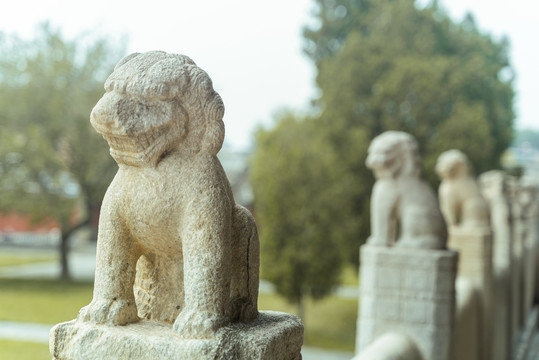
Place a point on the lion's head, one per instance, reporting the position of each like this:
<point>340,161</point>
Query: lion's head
<point>156,103</point>
<point>452,164</point>
<point>393,154</point>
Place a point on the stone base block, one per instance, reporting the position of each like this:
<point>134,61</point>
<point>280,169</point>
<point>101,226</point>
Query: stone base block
<point>475,264</point>
<point>475,252</point>
<point>409,291</point>
<point>272,336</point>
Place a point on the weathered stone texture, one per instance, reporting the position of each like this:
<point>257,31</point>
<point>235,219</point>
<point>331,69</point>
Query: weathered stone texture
<point>272,336</point>
<point>391,346</point>
<point>467,216</point>
<point>529,203</point>
<point>494,189</point>
<point>516,283</point>
<point>173,246</point>
<point>466,335</point>
<point>475,266</point>
<point>410,291</point>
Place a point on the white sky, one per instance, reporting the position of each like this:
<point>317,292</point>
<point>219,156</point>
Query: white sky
<point>252,49</point>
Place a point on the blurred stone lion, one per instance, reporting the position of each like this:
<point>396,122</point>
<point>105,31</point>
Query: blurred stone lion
<point>460,197</point>
<point>400,198</point>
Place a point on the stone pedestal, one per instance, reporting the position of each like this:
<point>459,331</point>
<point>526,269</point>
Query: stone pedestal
<point>466,335</point>
<point>475,252</point>
<point>409,291</point>
<point>494,189</point>
<point>529,244</point>
<point>272,336</point>
<point>475,264</point>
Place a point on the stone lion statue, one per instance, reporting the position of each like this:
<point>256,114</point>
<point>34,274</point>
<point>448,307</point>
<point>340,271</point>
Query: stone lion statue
<point>400,198</point>
<point>172,244</point>
<point>461,200</point>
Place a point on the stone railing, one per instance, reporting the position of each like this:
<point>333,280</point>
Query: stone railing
<point>479,307</point>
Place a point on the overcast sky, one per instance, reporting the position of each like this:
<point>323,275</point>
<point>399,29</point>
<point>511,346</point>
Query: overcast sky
<point>252,49</point>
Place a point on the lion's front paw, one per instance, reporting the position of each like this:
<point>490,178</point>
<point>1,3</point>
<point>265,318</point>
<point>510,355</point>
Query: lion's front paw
<point>110,311</point>
<point>197,324</point>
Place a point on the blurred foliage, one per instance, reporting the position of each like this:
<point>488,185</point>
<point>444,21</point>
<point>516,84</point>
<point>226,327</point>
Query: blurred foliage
<point>389,65</point>
<point>382,65</point>
<point>51,160</point>
<point>300,249</point>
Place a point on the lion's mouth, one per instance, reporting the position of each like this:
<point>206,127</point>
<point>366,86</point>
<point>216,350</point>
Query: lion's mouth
<point>135,150</point>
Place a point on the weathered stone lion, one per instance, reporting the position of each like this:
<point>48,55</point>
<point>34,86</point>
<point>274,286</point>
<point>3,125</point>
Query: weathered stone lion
<point>461,200</point>
<point>400,198</point>
<point>172,244</point>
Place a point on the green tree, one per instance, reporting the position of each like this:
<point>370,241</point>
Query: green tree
<point>292,174</point>
<point>53,165</point>
<point>389,65</point>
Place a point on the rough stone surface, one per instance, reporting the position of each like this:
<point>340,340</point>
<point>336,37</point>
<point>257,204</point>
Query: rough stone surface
<point>272,336</point>
<point>475,264</point>
<point>494,189</point>
<point>410,291</point>
<point>529,204</point>
<point>475,253</point>
<point>173,246</point>
<point>466,335</point>
<point>467,216</point>
<point>517,286</point>
<point>461,200</point>
<point>391,346</point>
<point>400,198</point>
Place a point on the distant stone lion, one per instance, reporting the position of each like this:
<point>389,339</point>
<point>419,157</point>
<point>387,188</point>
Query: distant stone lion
<point>400,198</point>
<point>169,226</point>
<point>461,200</point>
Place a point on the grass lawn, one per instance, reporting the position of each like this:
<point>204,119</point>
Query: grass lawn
<point>18,350</point>
<point>349,276</point>
<point>42,301</point>
<point>329,323</point>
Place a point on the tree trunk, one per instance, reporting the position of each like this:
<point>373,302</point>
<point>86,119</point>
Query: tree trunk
<point>64,274</point>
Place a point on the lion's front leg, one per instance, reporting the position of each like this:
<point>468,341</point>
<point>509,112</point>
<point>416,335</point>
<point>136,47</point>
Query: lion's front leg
<point>383,217</point>
<point>206,258</point>
<point>117,254</point>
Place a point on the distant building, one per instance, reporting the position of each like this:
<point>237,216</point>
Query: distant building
<point>236,165</point>
<point>18,229</point>
<point>524,156</point>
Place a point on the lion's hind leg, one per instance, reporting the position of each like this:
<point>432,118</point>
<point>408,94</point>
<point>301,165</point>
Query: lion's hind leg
<point>245,265</point>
